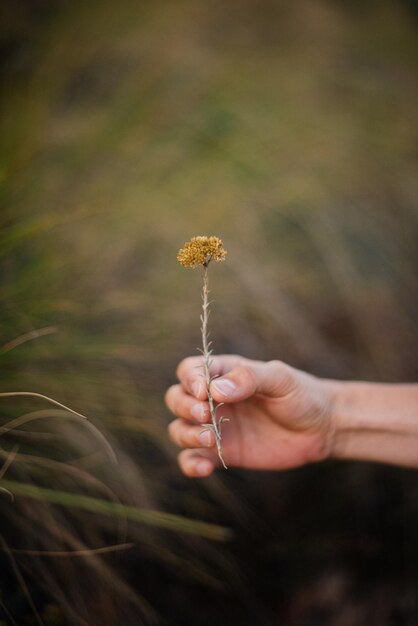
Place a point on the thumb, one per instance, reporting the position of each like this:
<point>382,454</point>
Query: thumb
<point>274,379</point>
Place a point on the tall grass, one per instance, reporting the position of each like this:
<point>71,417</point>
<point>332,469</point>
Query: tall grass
<point>284,128</point>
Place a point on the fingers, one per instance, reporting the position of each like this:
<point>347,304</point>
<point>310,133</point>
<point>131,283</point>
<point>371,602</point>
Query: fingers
<point>190,372</point>
<point>184,405</point>
<point>197,464</point>
<point>194,462</point>
<point>187,435</point>
<point>237,378</point>
<point>201,460</point>
<point>273,379</point>
<point>238,384</point>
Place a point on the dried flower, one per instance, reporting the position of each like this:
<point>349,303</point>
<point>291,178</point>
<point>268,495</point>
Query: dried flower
<point>200,251</point>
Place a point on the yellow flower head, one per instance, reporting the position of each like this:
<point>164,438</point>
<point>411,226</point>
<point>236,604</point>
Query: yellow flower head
<point>200,251</point>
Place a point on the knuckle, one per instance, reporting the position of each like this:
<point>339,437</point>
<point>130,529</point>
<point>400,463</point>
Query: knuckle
<point>178,402</point>
<point>247,375</point>
<point>168,396</point>
<point>185,366</point>
<point>184,461</point>
<point>178,433</point>
<point>283,374</point>
<point>172,429</point>
<point>182,438</point>
<point>275,364</point>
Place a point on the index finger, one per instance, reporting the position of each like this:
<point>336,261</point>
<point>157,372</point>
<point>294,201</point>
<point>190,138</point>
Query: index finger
<point>190,371</point>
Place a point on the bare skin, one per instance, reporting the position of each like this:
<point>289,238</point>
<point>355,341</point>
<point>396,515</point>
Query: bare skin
<point>281,417</point>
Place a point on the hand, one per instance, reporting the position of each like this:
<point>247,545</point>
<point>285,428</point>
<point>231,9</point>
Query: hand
<point>279,417</point>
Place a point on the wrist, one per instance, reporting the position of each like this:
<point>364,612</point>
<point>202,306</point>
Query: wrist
<point>375,422</point>
<point>347,423</point>
<point>338,423</point>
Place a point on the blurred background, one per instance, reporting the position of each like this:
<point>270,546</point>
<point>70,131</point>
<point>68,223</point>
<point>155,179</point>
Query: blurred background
<point>289,130</point>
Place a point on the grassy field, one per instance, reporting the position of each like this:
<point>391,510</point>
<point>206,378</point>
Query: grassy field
<point>287,129</point>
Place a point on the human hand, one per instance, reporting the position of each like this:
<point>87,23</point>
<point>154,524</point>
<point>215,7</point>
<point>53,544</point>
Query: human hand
<point>280,417</point>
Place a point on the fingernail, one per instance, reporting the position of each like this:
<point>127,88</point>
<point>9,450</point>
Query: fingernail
<point>205,438</point>
<point>196,388</point>
<point>198,411</point>
<point>224,386</point>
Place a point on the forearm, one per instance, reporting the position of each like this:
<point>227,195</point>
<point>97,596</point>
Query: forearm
<point>376,422</point>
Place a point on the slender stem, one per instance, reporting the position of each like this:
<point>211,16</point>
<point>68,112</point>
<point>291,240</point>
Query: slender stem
<point>206,351</point>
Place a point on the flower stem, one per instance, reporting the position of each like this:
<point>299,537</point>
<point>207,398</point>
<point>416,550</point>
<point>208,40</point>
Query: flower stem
<point>207,352</point>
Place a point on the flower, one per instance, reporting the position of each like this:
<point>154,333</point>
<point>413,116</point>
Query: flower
<point>200,251</point>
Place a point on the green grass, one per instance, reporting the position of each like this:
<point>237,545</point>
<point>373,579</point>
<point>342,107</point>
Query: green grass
<point>285,129</point>
<point>103,507</point>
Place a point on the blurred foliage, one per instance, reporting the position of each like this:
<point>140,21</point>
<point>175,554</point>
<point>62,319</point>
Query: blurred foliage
<point>287,129</point>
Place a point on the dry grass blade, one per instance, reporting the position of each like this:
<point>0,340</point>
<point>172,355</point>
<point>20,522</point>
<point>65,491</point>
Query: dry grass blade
<point>11,394</point>
<point>33,334</point>
<point>36,415</point>
<point>8,461</point>
<point>73,553</point>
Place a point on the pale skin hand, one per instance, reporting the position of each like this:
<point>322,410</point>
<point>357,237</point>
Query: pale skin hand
<point>281,417</point>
